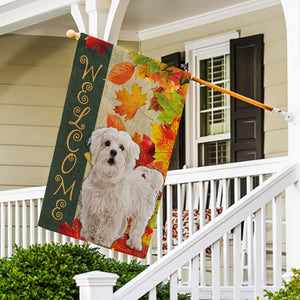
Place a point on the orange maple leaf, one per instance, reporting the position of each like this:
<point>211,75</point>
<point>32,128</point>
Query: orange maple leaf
<point>143,71</point>
<point>116,122</point>
<point>121,73</point>
<point>163,136</point>
<point>74,231</point>
<point>130,102</point>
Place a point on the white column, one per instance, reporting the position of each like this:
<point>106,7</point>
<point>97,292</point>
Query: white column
<point>96,285</point>
<point>292,17</point>
<point>98,11</point>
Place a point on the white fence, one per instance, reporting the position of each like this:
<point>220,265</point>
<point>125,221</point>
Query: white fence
<point>188,195</point>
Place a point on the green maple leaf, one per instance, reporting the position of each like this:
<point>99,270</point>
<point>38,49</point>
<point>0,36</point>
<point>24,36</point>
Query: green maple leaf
<point>172,108</point>
<point>140,59</point>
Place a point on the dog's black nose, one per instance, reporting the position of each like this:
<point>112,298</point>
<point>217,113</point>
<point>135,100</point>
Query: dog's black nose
<point>113,153</point>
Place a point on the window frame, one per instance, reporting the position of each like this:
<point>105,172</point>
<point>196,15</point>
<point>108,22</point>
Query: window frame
<point>196,51</point>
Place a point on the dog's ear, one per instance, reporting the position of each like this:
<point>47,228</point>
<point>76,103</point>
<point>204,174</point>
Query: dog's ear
<point>135,150</point>
<point>95,141</point>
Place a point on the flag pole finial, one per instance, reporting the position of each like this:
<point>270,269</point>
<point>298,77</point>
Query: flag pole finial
<point>73,34</point>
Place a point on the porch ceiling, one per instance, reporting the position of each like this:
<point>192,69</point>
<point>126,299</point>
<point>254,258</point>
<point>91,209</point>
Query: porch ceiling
<point>143,19</point>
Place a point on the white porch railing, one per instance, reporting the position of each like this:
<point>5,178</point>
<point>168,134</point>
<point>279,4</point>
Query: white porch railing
<point>252,205</point>
<point>188,192</point>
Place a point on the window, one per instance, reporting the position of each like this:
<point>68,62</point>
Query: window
<point>208,110</point>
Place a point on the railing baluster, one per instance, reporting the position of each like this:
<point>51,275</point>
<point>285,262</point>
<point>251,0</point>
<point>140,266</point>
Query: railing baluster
<point>2,224</point>
<point>258,288</point>
<point>173,286</point>
<point>194,282</point>
<point>277,240</point>
<point>190,208</point>
<point>237,267</point>
<point>9,229</point>
<point>249,183</point>
<point>202,219</point>
<point>212,200</point>
<point>169,217</point>
<point>215,261</point>
<point>237,189</point>
<point>64,239</point>
<point>32,222</point>
<point>152,294</point>
<point>24,224</point>
<point>225,205</point>
<point>40,230</point>
<point>17,223</point>
<point>48,236</point>
<point>179,228</point>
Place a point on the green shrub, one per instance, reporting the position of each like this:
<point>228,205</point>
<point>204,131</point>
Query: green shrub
<point>46,272</point>
<point>290,291</point>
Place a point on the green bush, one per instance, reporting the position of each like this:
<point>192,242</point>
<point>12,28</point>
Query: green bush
<point>290,291</point>
<point>46,272</point>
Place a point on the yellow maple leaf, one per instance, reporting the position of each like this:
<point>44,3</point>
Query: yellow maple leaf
<point>130,102</point>
<point>164,137</point>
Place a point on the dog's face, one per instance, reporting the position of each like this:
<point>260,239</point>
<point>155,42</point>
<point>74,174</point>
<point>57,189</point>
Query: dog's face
<point>114,153</point>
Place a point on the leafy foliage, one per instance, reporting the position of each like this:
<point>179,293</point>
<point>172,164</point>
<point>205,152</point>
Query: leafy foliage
<point>130,102</point>
<point>290,291</point>
<point>121,73</point>
<point>73,231</point>
<point>95,43</point>
<point>47,271</point>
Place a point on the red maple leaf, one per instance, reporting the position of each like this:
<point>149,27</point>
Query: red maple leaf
<point>176,77</point>
<point>147,149</point>
<point>94,43</point>
<point>74,231</point>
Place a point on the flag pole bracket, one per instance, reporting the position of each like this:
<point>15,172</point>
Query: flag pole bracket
<point>285,115</point>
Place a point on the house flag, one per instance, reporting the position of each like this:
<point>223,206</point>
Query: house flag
<point>114,145</point>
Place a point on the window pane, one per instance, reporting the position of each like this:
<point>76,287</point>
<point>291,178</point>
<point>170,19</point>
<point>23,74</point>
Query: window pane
<point>214,153</point>
<point>214,105</point>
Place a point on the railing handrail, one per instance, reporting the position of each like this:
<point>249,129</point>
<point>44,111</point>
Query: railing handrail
<point>241,169</point>
<point>23,194</point>
<point>207,235</point>
<point>230,170</point>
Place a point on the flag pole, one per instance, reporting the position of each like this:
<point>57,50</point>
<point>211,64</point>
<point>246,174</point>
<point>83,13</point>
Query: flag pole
<point>287,116</point>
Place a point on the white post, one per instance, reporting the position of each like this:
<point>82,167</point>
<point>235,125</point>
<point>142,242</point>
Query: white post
<point>292,18</point>
<point>96,285</point>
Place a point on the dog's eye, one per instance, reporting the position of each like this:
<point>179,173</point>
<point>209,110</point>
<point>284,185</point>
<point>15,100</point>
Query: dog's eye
<point>107,143</point>
<point>122,147</point>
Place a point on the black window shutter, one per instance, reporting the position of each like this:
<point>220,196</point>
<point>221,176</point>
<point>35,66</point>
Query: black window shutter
<point>246,78</point>
<point>178,156</point>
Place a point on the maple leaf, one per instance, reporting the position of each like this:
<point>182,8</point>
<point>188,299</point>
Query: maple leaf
<point>130,102</point>
<point>143,71</point>
<point>116,122</point>
<point>154,105</point>
<point>164,137</point>
<point>94,43</point>
<point>139,59</point>
<point>176,76</point>
<point>171,108</point>
<point>185,78</point>
<point>121,73</point>
<point>74,231</point>
<point>147,149</point>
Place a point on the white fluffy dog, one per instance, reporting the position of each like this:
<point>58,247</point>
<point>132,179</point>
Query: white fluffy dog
<point>115,191</point>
